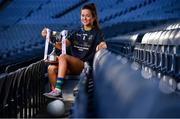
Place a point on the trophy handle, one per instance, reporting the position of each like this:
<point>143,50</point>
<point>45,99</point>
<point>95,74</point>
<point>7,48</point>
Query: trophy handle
<point>47,44</point>
<point>64,34</point>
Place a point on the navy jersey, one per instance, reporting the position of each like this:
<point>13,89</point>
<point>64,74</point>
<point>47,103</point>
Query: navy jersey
<point>83,43</point>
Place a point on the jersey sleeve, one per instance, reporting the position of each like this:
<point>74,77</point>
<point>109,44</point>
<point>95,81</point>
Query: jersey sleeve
<point>100,37</point>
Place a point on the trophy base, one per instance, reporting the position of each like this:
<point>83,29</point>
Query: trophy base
<point>51,62</point>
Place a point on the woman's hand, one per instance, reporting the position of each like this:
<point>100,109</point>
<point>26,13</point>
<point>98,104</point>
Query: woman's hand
<point>57,45</point>
<point>101,45</point>
<point>44,32</point>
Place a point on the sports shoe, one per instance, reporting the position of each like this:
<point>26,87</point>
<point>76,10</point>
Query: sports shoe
<point>55,94</point>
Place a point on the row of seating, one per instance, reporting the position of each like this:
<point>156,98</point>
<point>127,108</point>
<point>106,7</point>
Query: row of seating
<point>21,92</point>
<point>152,10</point>
<point>164,59</point>
<point>121,90</point>
<point>166,37</point>
<point>158,50</point>
<point>123,45</point>
<point>18,10</point>
<point>122,9</point>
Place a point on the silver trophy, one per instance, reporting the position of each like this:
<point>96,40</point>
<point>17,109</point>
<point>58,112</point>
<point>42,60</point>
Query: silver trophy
<point>52,57</point>
<point>57,37</point>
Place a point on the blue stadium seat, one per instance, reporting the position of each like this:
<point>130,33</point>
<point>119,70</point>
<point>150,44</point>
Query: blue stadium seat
<point>127,95</point>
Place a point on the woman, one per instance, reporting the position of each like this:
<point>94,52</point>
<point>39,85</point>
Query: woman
<point>83,42</point>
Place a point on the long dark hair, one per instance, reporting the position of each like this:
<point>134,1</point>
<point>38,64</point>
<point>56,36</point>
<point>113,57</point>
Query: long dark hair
<point>92,8</point>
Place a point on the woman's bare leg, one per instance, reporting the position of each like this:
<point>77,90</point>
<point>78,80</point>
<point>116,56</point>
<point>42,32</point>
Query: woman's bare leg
<point>52,75</point>
<point>69,63</point>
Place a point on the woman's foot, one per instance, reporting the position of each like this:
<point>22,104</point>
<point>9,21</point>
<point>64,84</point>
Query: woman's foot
<point>56,93</point>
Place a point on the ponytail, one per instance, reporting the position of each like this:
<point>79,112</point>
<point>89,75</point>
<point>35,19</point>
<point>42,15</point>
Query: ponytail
<point>92,8</point>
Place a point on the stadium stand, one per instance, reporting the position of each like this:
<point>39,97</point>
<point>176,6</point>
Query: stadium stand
<point>137,76</point>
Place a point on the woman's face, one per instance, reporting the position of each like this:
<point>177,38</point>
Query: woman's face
<point>86,17</point>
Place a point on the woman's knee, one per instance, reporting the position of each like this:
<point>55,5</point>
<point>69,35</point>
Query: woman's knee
<point>52,69</point>
<point>62,58</point>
